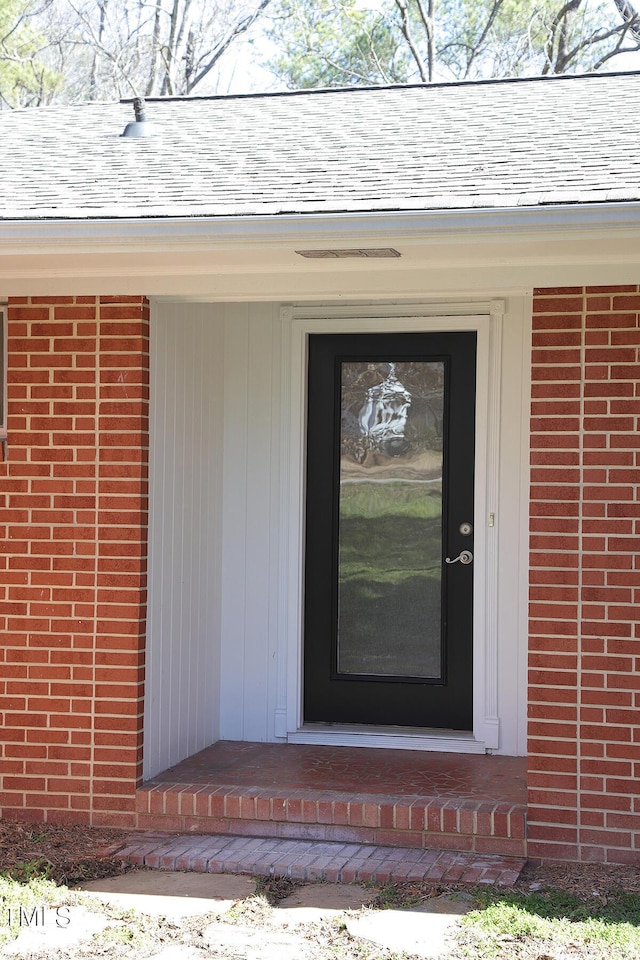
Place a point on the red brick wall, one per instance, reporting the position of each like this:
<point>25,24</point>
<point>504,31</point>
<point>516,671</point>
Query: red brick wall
<point>584,693</point>
<point>73,502</point>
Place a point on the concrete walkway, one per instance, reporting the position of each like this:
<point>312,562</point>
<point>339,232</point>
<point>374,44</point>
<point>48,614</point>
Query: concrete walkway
<point>313,859</point>
<point>282,932</point>
<point>200,900</point>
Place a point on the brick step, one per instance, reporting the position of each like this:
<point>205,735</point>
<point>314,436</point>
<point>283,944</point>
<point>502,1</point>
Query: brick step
<point>415,822</point>
<point>314,860</point>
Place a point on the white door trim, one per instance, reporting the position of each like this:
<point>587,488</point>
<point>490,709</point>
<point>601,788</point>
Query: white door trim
<point>297,323</point>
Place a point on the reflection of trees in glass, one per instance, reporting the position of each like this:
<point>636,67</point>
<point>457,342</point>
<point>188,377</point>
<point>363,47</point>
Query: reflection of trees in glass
<point>423,380</point>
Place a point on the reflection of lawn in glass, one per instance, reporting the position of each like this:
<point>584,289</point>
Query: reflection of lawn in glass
<point>389,579</point>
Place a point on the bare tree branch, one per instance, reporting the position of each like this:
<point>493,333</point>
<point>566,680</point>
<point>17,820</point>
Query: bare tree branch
<point>426,15</point>
<point>613,53</point>
<point>599,36</point>
<point>346,72</point>
<point>630,16</point>
<point>558,35</point>
<point>239,28</point>
<point>408,35</point>
<point>102,6</point>
<point>155,48</point>
<point>373,53</point>
<point>479,45</point>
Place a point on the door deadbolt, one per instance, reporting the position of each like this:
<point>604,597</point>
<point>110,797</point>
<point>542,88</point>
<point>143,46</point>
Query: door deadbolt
<point>465,557</point>
<point>465,529</point>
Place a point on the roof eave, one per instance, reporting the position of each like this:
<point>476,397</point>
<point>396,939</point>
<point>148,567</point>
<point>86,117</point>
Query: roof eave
<point>417,225</point>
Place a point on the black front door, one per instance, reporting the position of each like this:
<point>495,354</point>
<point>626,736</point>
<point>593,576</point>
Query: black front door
<point>390,466</point>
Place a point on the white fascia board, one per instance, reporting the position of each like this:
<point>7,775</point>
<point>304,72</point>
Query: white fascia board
<point>598,219</point>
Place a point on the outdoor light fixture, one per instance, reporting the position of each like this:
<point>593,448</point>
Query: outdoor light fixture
<point>139,127</point>
<point>375,253</point>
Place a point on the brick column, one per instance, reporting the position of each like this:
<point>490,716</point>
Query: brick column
<point>73,559</point>
<point>584,682</point>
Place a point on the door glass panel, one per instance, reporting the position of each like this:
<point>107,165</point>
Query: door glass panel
<point>390,519</point>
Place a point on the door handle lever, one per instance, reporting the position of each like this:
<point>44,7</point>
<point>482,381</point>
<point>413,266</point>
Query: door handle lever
<point>465,557</point>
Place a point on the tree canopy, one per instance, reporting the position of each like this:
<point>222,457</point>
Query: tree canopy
<point>24,78</point>
<point>344,42</point>
<point>70,50</point>
<point>101,49</point>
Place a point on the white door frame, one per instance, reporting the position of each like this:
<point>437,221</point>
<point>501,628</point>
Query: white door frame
<point>486,320</point>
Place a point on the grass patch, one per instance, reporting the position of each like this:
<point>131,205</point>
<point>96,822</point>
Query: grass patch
<point>512,925</point>
<point>27,870</point>
<point>389,550</point>
<point>372,501</point>
<point>37,892</point>
<point>394,896</point>
<point>130,933</point>
<point>389,587</point>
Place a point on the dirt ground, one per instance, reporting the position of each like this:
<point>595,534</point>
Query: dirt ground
<point>65,854</point>
<point>71,854</point>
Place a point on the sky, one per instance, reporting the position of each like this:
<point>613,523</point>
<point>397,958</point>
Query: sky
<point>240,70</point>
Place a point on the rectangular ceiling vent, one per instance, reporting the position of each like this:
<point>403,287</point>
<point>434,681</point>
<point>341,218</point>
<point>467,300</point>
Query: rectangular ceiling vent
<point>375,253</point>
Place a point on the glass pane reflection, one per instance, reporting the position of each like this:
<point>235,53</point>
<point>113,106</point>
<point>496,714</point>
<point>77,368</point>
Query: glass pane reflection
<point>389,563</point>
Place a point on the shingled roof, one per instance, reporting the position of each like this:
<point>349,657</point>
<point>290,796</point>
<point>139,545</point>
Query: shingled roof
<point>487,145</point>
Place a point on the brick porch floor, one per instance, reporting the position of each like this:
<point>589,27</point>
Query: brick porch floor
<point>345,795</point>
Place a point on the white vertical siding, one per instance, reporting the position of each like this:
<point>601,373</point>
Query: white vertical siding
<point>250,521</point>
<point>234,525</point>
<point>216,525</point>
<point>513,529</point>
<point>183,635</point>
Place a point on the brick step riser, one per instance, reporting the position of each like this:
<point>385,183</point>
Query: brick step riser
<point>365,810</point>
<point>473,834</point>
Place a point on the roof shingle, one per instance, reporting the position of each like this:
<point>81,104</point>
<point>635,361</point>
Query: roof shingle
<point>501,144</point>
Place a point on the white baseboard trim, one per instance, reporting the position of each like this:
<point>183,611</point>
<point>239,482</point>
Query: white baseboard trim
<point>401,738</point>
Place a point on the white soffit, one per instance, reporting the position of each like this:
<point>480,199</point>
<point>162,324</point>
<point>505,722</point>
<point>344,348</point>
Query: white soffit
<point>260,257</point>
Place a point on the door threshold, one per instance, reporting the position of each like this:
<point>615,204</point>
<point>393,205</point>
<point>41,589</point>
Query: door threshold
<point>396,738</point>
